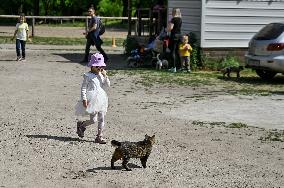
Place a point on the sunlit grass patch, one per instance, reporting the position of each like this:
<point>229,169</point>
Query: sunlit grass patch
<point>273,136</point>
<point>218,124</point>
<point>208,124</point>
<point>60,41</point>
<point>249,84</point>
<point>151,77</point>
<point>237,125</point>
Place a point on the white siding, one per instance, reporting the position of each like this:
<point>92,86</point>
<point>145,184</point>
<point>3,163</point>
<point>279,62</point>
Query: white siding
<point>231,23</point>
<point>191,14</point>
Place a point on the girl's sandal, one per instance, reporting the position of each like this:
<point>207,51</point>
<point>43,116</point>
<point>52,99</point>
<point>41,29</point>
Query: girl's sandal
<point>100,140</point>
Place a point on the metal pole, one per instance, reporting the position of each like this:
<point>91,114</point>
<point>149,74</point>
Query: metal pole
<point>139,21</point>
<point>33,27</point>
<point>87,24</point>
<point>129,17</point>
<point>136,27</point>
<point>150,22</point>
<point>160,20</point>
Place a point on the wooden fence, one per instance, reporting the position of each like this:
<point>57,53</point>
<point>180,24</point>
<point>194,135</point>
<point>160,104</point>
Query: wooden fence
<point>73,18</point>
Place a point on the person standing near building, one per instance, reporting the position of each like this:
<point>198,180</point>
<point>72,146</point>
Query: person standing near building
<point>174,28</point>
<point>93,37</point>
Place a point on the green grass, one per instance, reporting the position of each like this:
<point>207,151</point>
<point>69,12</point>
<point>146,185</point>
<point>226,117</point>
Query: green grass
<point>208,124</point>
<point>223,124</point>
<point>151,77</point>
<point>273,136</point>
<point>237,125</point>
<point>248,84</point>
<point>60,41</point>
<point>64,24</point>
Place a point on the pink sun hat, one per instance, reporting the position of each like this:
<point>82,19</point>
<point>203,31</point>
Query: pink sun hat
<point>97,60</point>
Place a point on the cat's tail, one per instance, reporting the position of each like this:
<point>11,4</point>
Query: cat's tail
<point>115,143</point>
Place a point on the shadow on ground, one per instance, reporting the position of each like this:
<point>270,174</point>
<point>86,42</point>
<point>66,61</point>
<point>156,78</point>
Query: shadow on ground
<point>130,165</point>
<point>116,61</point>
<point>59,138</point>
<point>279,79</point>
<point>8,60</point>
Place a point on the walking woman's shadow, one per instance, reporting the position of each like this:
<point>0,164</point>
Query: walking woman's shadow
<point>59,138</point>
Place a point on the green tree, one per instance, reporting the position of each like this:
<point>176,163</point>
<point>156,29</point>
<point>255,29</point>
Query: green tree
<point>110,8</point>
<point>70,7</point>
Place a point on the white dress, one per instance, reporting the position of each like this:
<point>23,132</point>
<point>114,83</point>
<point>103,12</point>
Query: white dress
<point>92,91</point>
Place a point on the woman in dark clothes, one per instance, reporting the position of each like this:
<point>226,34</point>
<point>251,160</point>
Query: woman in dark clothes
<point>174,27</point>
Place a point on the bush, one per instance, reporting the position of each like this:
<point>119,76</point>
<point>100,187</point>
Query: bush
<point>196,59</point>
<point>229,61</point>
<point>200,61</point>
<point>211,63</point>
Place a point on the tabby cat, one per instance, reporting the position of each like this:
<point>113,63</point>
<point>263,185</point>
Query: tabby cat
<point>127,150</point>
<point>228,70</point>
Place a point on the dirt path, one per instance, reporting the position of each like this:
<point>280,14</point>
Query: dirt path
<point>71,32</point>
<point>194,147</point>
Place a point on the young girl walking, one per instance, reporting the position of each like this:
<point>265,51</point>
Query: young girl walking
<point>22,34</point>
<point>94,100</point>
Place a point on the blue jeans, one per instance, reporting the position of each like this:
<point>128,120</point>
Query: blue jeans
<point>21,44</point>
<point>185,62</point>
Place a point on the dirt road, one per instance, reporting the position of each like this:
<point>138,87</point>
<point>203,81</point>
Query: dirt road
<point>69,32</point>
<point>194,148</point>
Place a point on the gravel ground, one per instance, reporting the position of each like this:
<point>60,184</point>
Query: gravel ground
<point>194,148</point>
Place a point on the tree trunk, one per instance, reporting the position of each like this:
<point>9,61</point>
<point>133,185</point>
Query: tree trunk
<point>124,10</point>
<point>36,7</point>
<point>125,7</point>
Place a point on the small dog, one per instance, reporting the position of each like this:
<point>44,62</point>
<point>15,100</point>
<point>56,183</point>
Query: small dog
<point>228,70</point>
<point>128,150</point>
<point>161,63</point>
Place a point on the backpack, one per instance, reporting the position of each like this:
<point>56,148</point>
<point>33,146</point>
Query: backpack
<point>102,28</point>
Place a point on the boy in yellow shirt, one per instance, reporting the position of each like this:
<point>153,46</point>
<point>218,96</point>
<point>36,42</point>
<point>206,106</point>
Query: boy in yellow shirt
<point>22,35</point>
<point>184,50</point>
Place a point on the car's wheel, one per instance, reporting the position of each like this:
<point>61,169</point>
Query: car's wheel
<point>265,74</point>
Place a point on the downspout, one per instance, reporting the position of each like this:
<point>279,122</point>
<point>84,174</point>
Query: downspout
<point>202,29</point>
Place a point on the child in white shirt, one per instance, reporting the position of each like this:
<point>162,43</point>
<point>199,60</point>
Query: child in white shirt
<point>94,100</point>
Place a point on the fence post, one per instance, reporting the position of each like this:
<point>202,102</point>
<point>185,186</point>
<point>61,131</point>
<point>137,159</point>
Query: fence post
<point>136,27</point>
<point>129,17</point>
<point>33,27</point>
<point>150,22</point>
<point>139,21</point>
<point>87,24</point>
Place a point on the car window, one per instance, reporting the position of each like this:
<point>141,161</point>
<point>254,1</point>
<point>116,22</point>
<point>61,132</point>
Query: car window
<point>270,31</point>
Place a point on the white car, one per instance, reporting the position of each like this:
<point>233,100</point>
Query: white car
<point>266,51</point>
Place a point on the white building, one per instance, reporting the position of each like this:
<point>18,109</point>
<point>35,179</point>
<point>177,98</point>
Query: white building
<point>226,23</point>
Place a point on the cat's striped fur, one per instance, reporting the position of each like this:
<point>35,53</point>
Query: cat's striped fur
<point>127,150</point>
